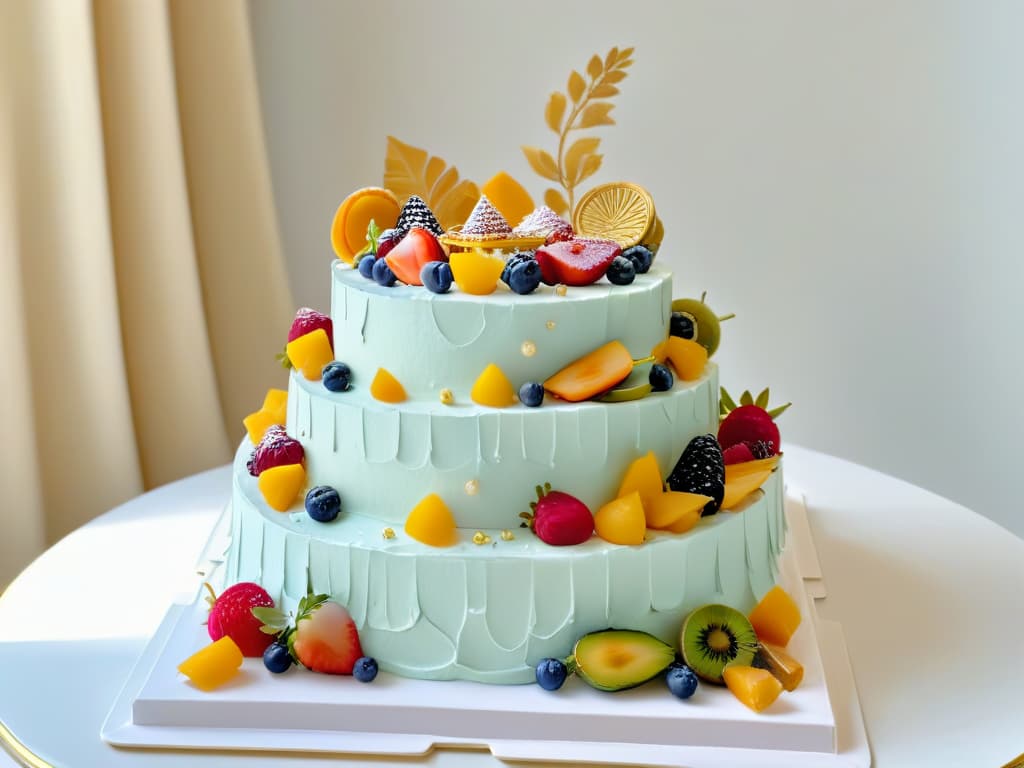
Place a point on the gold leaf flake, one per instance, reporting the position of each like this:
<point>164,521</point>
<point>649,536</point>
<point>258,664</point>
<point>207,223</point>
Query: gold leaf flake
<point>576,86</point>
<point>409,170</point>
<point>595,67</point>
<point>597,114</point>
<point>555,111</point>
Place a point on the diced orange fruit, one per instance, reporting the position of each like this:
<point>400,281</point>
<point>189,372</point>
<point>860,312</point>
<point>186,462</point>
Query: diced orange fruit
<point>257,422</point>
<point>386,388</point>
<point>476,272</point>
<point>675,511</point>
<point>492,388</point>
<point>508,196</point>
<point>276,404</point>
<point>280,485</point>
<point>431,522</point>
<point>786,669</point>
<point>687,357</point>
<point>732,471</point>
<point>309,353</point>
<point>644,477</point>
<point>737,488</point>
<point>212,666</point>
<point>757,688</point>
<point>593,373</point>
<point>621,521</point>
<point>348,230</point>
<point>776,617</point>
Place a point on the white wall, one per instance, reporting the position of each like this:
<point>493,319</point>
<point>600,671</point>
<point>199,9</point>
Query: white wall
<point>847,177</point>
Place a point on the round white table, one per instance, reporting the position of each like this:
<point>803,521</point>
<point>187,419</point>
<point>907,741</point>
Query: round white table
<point>927,592</point>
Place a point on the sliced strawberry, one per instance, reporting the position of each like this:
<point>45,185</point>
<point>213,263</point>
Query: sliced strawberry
<point>308,320</point>
<point>737,454</point>
<point>325,640</point>
<point>558,518</point>
<point>580,261</point>
<point>749,424</point>
<point>231,614</point>
<point>413,251</point>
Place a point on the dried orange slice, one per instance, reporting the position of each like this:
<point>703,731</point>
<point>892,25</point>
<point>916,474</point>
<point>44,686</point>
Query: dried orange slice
<point>348,230</point>
<point>655,235</point>
<point>619,211</point>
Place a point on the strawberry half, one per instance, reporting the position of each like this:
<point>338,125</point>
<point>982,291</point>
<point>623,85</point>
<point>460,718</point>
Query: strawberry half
<point>558,518</point>
<point>325,638</point>
<point>579,261</point>
<point>413,251</point>
<point>231,614</point>
<point>748,424</point>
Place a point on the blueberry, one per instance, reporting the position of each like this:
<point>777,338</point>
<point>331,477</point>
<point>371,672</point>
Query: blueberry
<point>661,378</point>
<point>276,658</point>
<point>524,276</point>
<point>681,325</point>
<point>323,503</point>
<point>681,680</point>
<point>516,258</point>
<point>641,257</point>
<point>551,673</point>
<point>336,376</point>
<point>365,669</point>
<point>436,276</point>
<point>621,271</point>
<point>366,266</point>
<point>382,273</point>
<point>531,394</point>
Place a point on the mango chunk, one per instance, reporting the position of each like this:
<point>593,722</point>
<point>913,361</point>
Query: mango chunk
<point>476,272</point>
<point>593,373</point>
<point>776,617</point>
<point>737,489</point>
<point>643,476</point>
<point>212,666</point>
<point>431,522</point>
<point>310,353</point>
<point>660,351</point>
<point>675,511</point>
<point>621,521</point>
<point>492,388</point>
<point>276,404</point>
<point>733,471</point>
<point>280,485</point>
<point>757,688</point>
<point>786,669</point>
<point>257,423</point>
<point>386,388</point>
<point>687,357</point>
<point>508,196</point>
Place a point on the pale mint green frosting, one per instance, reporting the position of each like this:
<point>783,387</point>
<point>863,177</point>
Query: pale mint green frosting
<point>430,341</point>
<point>490,612</point>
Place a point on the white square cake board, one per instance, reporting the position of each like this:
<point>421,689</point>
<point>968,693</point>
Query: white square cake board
<point>817,725</point>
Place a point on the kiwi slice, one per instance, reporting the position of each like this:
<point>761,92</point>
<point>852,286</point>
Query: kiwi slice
<point>616,659</point>
<point>714,636</point>
<point>707,330</point>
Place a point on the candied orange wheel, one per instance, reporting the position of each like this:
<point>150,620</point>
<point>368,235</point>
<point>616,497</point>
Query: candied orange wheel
<point>619,211</point>
<point>348,230</point>
<point>652,239</point>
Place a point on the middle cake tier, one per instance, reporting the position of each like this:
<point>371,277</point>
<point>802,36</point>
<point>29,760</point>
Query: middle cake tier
<point>484,462</point>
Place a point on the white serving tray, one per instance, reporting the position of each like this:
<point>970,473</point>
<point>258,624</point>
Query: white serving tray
<point>819,724</point>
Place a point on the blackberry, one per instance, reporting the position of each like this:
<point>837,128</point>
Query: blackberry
<point>762,449</point>
<point>415,213</point>
<point>701,469</point>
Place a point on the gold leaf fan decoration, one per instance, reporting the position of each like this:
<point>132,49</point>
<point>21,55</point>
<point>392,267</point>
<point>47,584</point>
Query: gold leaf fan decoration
<point>576,162</point>
<point>409,170</point>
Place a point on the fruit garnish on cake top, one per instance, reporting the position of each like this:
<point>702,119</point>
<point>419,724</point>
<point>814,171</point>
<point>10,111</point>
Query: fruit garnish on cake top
<point>416,214</point>
<point>579,261</point>
<point>485,223</point>
<point>544,222</point>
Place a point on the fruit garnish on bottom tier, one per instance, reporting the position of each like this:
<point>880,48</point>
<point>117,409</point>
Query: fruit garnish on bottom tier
<point>322,638</point>
<point>776,617</point>
<point>558,518</point>
<point>231,614</point>
<point>212,666</point>
<point>751,423</point>
<point>714,636</point>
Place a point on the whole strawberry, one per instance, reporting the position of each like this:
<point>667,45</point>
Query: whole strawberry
<point>325,637</point>
<point>274,450</point>
<point>558,518</point>
<point>749,422</point>
<point>231,614</point>
<point>308,320</point>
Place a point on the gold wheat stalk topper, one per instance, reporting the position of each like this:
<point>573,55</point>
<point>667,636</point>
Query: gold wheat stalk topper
<point>590,108</point>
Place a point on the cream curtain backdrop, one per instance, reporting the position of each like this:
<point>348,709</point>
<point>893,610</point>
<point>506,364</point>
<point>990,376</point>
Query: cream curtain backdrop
<point>143,292</point>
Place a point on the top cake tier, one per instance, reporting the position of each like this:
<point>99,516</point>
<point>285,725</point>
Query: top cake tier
<point>430,341</point>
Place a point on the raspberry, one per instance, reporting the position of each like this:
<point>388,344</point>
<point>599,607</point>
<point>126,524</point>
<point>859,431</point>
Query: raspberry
<point>275,449</point>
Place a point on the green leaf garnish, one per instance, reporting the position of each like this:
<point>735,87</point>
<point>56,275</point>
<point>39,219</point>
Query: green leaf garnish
<point>746,398</point>
<point>762,399</point>
<point>274,620</point>
<point>726,403</point>
<point>283,359</point>
<point>776,412</point>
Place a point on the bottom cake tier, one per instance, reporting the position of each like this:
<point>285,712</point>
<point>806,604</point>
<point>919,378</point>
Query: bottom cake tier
<point>490,612</point>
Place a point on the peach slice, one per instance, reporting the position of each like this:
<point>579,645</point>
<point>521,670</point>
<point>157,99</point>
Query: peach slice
<point>310,353</point>
<point>386,388</point>
<point>776,617</point>
<point>508,196</point>
<point>492,388</point>
<point>476,272</point>
<point>675,511</point>
<point>733,471</point>
<point>593,373</point>
<point>737,489</point>
<point>276,404</point>
<point>621,521</point>
<point>431,522</point>
<point>257,423</point>
<point>280,485</point>
<point>643,476</point>
<point>212,666</point>
<point>757,688</point>
<point>660,351</point>
<point>688,358</point>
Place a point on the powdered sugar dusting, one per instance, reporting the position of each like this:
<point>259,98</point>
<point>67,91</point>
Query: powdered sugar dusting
<point>542,222</point>
<point>485,222</point>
